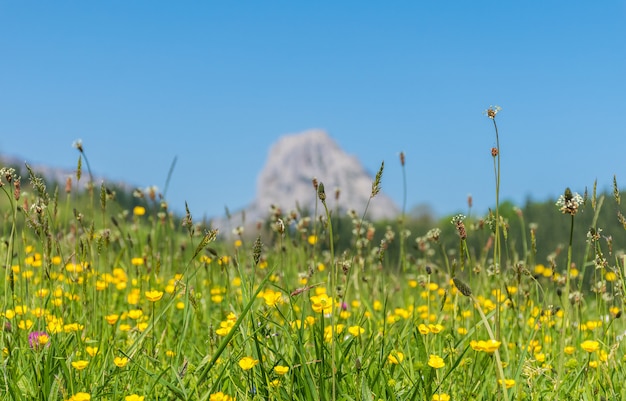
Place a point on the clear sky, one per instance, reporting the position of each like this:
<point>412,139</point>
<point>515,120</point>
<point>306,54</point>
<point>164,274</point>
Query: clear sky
<point>216,83</point>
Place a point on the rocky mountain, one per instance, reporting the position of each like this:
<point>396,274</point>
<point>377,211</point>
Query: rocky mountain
<point>293,162</point>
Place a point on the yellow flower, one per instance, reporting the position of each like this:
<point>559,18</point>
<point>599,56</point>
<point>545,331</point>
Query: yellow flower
<point>219,396</point>
<point>134,397</point>
<point>271,297</point>
<point>247,363</point>
<point>25,324</point>
<point>441,397</point>
<point>135,314</point>
<point>139,210</point>
<point>80,396</point>
<point>614,310</point>
<point>322,303</point>
<point>590,346</point>
<point>489,346</point>
<point>153,295</point>
<point>539,269</point>
<point>593,364</point>
<point>80,365</point>
<point>120,361</point>
<point>569,350</point>
<point>136,261</point>
<point>395,357</point>
<point>436,362</point>
<point>328,332</point>
<point>356,330</point>
<point>112,319</point>
<point>603,356</point>
<point>281,370</point>
<point>312,239</point>
<point>142,326</point>
<point>43,339</point>
<point>92,351</point>
<point>508,383</point>
<point>435,328</point>
<point>423,329</point>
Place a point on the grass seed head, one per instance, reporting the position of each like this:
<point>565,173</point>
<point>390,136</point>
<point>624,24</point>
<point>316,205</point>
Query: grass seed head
<point>462,287</point>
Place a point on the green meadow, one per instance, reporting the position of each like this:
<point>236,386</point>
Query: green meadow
<point>108,296</point>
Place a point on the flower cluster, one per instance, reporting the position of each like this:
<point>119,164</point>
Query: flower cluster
<point>569,202</point>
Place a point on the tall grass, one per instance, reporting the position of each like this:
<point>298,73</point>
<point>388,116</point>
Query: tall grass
<point>104,302</point>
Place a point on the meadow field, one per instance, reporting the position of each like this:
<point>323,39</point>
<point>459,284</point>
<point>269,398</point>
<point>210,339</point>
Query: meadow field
<point>104,301</point>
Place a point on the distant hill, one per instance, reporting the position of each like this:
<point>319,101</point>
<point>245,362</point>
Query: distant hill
<point>58,175</point>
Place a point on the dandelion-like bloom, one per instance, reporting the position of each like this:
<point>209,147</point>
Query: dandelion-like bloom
<point>356,330</point>
<point>80,396</point>
<point>281,370</point>
<point>489,346</point>
<point>154,295</point>
<point>436,362</point>
<point>92,351</point>
<point>219,396</point>
<point>590,346</point>
<point>271,297</point>
<point>137,261</point>
<point>247,363</point>
<point>80,365</point>
<point>134,397</point>
<point>435,328</point>
<point>120,361</point>
<point>569,202</point>
<point>139,210</point>
<point>508,383</point>
<point>38,339</point>
<point>395,357</point>
<point>322,303</point>
<point>441,397</point>
<point>112,319</point>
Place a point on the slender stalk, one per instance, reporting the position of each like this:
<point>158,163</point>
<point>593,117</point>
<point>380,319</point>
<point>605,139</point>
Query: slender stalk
<point>496,353</point>
<point>566,302</point>
<point>403,217</point>
<point>333,292</point>
<point>497,252</point>
<point>333,289</point>
<point>497,246</point>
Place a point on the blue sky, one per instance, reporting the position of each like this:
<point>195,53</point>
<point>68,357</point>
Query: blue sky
<point>216,83</point>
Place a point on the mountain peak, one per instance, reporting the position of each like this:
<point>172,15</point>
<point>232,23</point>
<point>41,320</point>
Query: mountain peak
<point>286,180</point>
